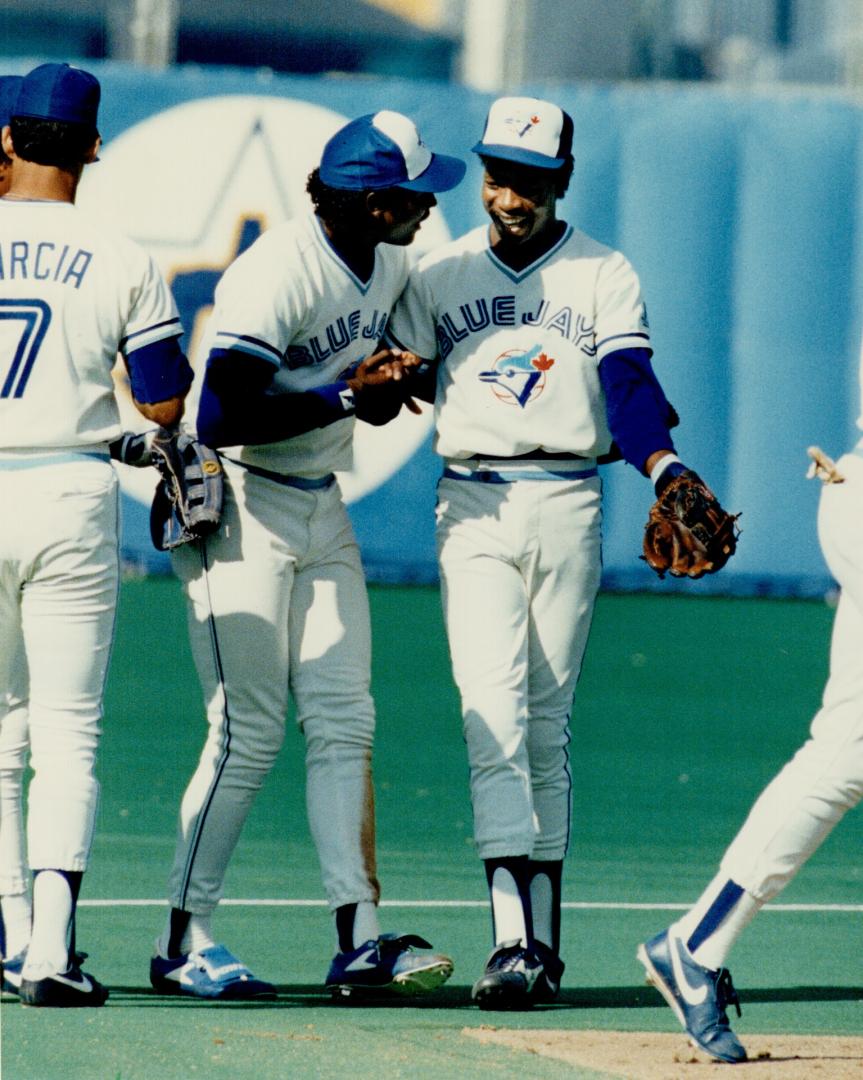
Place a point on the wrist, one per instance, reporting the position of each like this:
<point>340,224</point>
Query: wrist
<point>664,471</point>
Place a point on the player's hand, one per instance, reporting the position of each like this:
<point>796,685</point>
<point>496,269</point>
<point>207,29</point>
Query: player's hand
<point>382,368</point>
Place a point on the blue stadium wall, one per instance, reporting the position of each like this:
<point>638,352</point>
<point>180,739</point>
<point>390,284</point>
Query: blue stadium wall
<point>740,212</point>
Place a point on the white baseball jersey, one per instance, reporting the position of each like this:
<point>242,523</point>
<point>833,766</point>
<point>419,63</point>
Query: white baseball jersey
<point>72,293</point>
<point>520,351</point>
<point>291,300</point>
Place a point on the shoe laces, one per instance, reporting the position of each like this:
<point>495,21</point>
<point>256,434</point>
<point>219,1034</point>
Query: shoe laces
<point>508,958</point>
<point>725,993</point>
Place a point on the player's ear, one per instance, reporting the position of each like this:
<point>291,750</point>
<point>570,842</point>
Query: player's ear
<point>6,141</point>
<point>376,204</point>
<point>92,154</point>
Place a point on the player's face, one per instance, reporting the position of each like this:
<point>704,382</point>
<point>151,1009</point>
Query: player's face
<point>401,214</point>
<point>520,201</point>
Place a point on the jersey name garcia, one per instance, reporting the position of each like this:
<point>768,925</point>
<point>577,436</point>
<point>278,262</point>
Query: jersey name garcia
<point>519,352</point>
<point>72,295</point>
<point>291,300</point>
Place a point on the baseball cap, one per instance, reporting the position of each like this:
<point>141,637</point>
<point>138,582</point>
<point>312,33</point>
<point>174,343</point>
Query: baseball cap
<point>528,131</point>
<point>383,150</point>
<point>59,92</point>
<point>9,87</point>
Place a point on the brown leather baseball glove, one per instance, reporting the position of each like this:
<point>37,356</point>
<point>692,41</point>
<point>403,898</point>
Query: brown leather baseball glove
<point>688,534</point>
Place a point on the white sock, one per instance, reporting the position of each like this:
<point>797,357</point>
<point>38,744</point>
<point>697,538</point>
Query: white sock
<point>713,949</point>
<point>17,921</point>
<point>48,951</point>
<point>509,920</point>
<point>366,926</point>
<point>198,935</point>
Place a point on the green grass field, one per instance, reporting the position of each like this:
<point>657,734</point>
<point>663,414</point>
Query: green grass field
<point>686,708</point>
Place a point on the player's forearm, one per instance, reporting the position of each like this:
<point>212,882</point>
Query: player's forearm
<point>234,419</point>
<point>639,415</point>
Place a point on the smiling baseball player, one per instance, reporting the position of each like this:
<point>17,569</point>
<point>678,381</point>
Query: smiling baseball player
<point>72,295</point>
<point>540,343</point>
<point>277,598</point>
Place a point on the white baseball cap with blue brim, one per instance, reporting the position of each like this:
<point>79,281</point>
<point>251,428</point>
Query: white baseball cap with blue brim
<point>528,131</point>
<point>384,150</point>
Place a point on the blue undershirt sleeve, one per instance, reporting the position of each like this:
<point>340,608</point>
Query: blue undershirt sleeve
<point>639,414</point>
<point>159,371</point>
<point>240,406</point>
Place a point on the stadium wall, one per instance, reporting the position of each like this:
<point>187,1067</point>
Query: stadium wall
<point>739,210</point>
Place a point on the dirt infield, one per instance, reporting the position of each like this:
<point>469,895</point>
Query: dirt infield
<point>652,1056</point>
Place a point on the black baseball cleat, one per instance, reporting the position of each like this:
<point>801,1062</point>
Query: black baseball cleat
<point>510,978</point>
<point>547,985</point>
<point>72,988</point>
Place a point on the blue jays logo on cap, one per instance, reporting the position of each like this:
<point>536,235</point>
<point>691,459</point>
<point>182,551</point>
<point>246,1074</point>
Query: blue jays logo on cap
<point>383,150</point>
<point>59,92</point>
<point>528,131</point>
<point>9,88</point>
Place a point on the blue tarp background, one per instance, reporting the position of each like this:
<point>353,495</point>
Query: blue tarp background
<point>740,211</point>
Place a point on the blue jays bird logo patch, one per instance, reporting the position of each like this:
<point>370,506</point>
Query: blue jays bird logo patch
<point>518,377</point>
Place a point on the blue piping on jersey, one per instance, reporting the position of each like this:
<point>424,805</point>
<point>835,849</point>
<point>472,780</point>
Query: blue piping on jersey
<point>522,274</point>
<point>149,330</point>
<point>271,355</point>
<point>630,334</point>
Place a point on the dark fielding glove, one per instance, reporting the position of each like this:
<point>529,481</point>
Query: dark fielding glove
<point>188,500</point>
<point>133,448</point>
<point>688,534</point>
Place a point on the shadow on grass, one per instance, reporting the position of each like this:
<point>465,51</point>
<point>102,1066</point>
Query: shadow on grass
<point>314,996</point>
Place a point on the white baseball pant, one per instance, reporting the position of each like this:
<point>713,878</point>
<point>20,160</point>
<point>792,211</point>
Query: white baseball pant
<point>520,568</point>
<point>58,595</point>
<point>801,805</point>
<point>277,604</point>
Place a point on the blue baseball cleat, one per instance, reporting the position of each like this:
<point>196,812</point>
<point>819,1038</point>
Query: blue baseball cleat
<point>697,995</point>
<point>12,967</point>
<point>214,974</point>
<point>388,964</point>
<point>512,979</point>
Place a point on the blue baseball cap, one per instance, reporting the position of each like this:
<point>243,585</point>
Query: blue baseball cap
<point>59,92</point>
<point>9,87</point>
<point>384,150</point>
<point>527,131</point>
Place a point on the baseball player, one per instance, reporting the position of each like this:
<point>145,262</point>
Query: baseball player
<point>277,600</point>
<point>798,808</point>
<point>15,908</point>
<point>73,294</point>
<point>539,340</point>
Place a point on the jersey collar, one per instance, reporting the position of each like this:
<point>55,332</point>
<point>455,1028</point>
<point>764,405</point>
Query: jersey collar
<point>520,275</point>
<point>331,252</point>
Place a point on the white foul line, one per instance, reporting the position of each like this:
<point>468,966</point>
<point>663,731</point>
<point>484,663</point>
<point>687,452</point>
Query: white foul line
<point>573,905</point>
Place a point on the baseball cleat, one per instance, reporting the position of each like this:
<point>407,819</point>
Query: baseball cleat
<point>68,989</point>
<point>388,964</point>
<point>547,985</point>
<point>213,973</point>
<point>697,995</point>
<point>12,967</point>
<point>510,978</point>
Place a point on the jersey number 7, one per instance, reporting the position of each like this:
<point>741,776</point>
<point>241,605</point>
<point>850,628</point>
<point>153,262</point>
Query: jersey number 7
<point>21,340</point>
